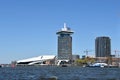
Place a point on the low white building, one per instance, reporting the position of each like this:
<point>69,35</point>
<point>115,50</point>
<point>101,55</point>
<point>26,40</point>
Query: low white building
<point>41,60</point>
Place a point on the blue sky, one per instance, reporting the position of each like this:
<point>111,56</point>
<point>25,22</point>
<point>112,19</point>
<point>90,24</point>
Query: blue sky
<point>28,27</point>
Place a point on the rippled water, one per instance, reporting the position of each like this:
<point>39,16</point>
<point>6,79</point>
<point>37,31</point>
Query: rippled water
<point>60,73</point>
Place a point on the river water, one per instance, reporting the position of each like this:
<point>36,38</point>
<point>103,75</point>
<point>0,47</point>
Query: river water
<point>59,73</point>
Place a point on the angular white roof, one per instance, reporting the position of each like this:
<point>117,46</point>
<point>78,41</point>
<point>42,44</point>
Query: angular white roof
<point>44,57</point>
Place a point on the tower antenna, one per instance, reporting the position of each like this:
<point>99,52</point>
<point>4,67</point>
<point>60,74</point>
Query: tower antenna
<point>65,25</point>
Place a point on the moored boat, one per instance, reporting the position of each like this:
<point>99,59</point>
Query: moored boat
<point>98,65</point>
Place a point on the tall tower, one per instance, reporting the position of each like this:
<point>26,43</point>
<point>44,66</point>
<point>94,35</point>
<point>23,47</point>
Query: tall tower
<point>65,43</point>
<point>103,46</point>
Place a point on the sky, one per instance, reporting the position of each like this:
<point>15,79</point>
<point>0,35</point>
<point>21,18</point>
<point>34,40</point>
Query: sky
<point>28,27</point>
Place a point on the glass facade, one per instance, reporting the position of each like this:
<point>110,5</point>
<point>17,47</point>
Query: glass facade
<point>64,44</point>
<point>103,47</point>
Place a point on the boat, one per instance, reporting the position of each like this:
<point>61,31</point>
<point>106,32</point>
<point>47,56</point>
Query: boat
<point>98,65</point>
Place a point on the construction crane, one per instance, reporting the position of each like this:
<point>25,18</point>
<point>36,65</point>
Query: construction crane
<point>86,52</point>
<point>118,57</point>
<point>116,53</point>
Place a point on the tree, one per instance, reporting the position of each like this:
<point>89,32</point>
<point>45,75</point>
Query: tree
<point>85,61</point>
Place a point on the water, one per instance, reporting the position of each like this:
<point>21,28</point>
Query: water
<point>60,73</point>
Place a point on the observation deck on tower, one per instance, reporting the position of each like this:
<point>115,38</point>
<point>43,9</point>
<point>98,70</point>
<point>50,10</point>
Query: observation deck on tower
<point>65,30</point>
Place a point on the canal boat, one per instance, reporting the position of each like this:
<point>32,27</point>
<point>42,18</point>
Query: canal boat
<point>98,65</point>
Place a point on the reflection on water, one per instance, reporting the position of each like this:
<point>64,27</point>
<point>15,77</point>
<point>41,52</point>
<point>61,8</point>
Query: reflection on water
<point>59,73</point>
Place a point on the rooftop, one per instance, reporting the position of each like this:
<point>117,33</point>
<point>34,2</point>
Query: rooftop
<point>65,29</point>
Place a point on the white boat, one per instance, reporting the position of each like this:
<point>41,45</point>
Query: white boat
<point>99,65</point>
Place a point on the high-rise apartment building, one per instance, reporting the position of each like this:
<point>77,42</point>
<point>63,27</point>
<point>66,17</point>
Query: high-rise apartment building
<point>65,43</point>
<point>103,46</point>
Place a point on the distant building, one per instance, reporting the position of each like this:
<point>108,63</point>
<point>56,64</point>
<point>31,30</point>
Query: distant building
<point>65,43</point>
<point>40,60</point>
<point>103,47</point>
<point>83,56</point>
<point>75,57</point>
